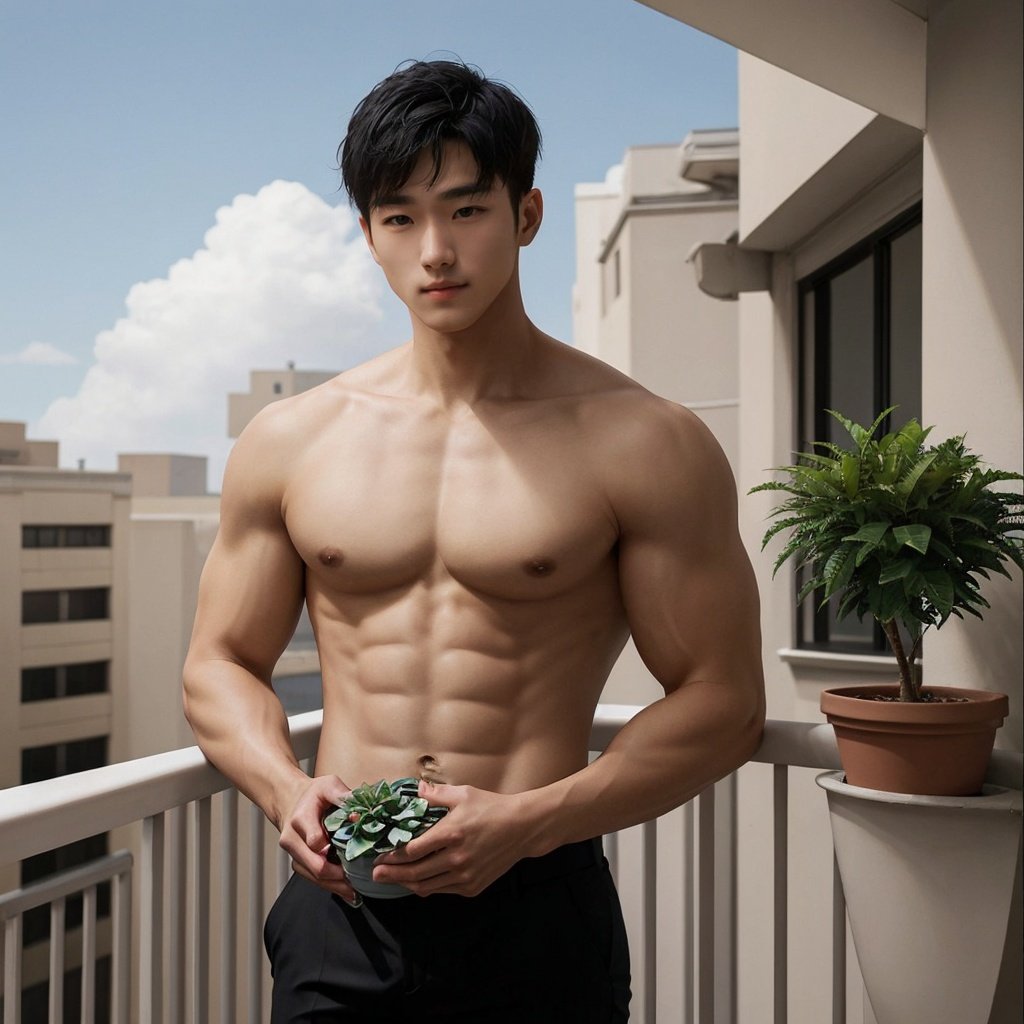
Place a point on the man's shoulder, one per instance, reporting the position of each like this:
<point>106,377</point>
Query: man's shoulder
<point>298,417</point>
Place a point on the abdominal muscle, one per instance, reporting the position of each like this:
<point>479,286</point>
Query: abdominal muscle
<point>441,683</point>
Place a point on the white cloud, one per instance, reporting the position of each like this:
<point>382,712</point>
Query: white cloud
<point>281,276</point>
<point>39,353</point>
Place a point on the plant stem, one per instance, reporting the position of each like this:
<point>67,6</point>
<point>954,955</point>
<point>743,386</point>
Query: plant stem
<point>908,691</point>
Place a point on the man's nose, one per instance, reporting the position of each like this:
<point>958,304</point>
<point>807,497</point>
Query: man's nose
<point>436,246</point>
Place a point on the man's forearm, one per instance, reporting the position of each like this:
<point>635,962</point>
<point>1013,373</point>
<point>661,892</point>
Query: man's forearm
<point>663,757</point>
<point>242,729</point>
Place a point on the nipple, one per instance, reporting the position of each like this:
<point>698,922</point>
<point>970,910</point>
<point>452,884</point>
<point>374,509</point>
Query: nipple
<point>331,557</point>
<point>540,566</point>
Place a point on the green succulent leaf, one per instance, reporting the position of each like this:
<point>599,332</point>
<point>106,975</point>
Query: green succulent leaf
<point>357,847</point>
<point>398,836</point>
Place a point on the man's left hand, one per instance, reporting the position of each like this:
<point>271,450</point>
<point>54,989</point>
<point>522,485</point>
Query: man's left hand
<point>476,842</point>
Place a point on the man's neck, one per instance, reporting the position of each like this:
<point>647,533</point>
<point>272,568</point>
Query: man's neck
<point>495,358</point>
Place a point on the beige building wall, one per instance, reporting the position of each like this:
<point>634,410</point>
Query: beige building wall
<point>164,474</point>
<point>37,496</point>
<point>17,450</point>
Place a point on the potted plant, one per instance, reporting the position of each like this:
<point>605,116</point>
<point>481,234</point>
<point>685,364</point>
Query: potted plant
<point>904,531</point>
<point>378,818</point>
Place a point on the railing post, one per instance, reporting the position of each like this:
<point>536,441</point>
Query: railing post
<point>152,921</point>
<point>255,923</point>
<point>120,981</point>
<point>177,851</point>
<point>689,917</point>
<point>201,911</point>
<point>228,904</point>
<point>649,843</point>
<point>706,905</point>
<point>56,995</point>
<point>88,1015</point>
<point>12,970</point>
<point>780,827</point>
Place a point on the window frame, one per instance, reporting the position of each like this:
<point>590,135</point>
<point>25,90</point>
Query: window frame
<point>814,383</point>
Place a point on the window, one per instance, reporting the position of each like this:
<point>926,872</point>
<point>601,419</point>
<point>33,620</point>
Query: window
<point>860,352</point>
<point>50,682</point>
<point>75,605</point>
<point>65,536</point>
<point>50,762</point>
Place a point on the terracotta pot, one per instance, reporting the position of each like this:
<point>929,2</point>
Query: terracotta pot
<point>934,749</point>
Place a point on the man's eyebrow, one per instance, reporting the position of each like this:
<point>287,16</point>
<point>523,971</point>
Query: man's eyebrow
<point>476,188</point>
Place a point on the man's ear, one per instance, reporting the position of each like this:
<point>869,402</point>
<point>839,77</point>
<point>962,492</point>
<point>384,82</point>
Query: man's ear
<point>365,226</point>
<point>531,213</point>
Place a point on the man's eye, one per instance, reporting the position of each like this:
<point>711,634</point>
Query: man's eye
<point>398,220</point>
<point>467,211</point>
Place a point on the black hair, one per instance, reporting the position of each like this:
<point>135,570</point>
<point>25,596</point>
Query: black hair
<point>421,107</point>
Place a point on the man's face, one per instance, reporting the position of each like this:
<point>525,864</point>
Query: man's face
<point>447,249</point>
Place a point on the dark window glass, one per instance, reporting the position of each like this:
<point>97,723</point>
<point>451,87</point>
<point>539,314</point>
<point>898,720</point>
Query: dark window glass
<point>96,536</point>
<point>57,759</point>
<point>53,681</point>
<point>860,353</point>
<point>88,603</point>
<point>39,683</point>
<point>65,536</point>
<point>40,606</point>
<point>38,763</point>
<point>89,677</point>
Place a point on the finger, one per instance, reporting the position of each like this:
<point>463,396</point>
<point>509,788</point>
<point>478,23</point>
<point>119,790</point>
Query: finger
<point>439,794</point>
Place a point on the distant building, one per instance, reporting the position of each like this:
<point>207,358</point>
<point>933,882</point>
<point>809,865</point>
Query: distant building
<point>636,304</point>
<point>266,386</point>
<point>64,681</point>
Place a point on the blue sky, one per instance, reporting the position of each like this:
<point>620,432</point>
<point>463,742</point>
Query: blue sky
<point>128,126</point>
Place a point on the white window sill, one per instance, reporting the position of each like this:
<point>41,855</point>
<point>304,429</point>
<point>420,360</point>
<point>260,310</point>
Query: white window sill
<point>875,664</point>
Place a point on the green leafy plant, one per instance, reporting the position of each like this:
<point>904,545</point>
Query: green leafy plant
<point>897,530</point>
<point>380,817</point>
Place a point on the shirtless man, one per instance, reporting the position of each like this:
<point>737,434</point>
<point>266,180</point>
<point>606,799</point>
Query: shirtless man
<point>476,520</point>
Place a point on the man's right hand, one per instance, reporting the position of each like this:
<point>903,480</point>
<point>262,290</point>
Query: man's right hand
<point>305,839</point>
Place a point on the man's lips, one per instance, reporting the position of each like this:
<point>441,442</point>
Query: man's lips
<point>442,289</point>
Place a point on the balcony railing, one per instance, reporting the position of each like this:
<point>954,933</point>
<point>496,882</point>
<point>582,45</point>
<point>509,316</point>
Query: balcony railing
<point>192,926</point>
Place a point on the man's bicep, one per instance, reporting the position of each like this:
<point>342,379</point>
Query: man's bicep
<point>250,596</point>
<point>693,614</point>
<point>688,587</point>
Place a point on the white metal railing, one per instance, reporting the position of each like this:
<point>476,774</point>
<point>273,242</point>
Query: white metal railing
<point>171,796</point>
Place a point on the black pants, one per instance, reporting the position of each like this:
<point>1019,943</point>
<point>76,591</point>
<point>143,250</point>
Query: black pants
<point>545,944</point>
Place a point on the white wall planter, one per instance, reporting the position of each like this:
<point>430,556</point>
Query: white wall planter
<point>928,882</point>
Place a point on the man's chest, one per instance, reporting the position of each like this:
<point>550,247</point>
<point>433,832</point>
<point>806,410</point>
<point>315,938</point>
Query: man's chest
<point>514,512</point>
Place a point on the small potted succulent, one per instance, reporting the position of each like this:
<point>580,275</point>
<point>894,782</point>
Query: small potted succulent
<point>904,532</point>
<point>378,818</point>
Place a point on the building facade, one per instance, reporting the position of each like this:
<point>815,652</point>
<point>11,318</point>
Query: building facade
<point>877,261</point>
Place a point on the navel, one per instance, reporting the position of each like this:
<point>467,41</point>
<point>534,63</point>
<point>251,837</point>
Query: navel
<point>331,557</point>
<point>430,768</point>
<point>539,567</point>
